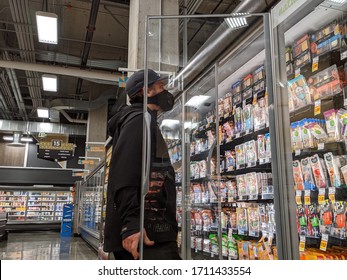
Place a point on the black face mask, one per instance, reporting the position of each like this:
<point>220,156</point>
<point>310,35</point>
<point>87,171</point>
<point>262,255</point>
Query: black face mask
<point>164,100</point>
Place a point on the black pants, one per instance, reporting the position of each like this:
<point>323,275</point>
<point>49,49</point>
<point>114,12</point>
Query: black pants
<point>159,251</point>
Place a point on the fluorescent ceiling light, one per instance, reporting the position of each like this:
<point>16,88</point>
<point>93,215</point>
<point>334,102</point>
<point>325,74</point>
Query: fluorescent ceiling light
<point>49,82</point>
<point>43,113</point>
<point>197,100</point>
<point>8,138</point>
<point>236,22</point>
<point>169,122</point>
<point>47,27</point>
<point>22,139</point>
<point>26,139</point>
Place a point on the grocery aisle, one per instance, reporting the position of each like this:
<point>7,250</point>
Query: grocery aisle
<point>45,245</point>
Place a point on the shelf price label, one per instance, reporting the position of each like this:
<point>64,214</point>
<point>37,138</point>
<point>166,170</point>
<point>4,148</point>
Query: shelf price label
<point>317,107</point>
<point>297,72</point>
<point>320,146</point>
<point>332,192</point>
<point>324,242</point>
<point>302,243</point>
<point>315,64</point>
<point>321,196</point>
<point>298,198</point>
<point>307,197</point>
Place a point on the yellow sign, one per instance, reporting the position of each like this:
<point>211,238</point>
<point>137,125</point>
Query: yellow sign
<point>298,200</point>
<point>307,200</point>
<point>86,161</point>
<point>302,246</point>
<point>78,174</point>
<point>321,199</point>
<point>51,145</point>
<point>317,107</point>
<point>323,245</point>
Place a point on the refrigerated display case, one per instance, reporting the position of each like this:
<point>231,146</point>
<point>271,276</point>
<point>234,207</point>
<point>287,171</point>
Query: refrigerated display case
<point>90,206</point>
<point>30,205</point>
<point>218,135</point>
<point>310,79</point>
<point>102,255</point>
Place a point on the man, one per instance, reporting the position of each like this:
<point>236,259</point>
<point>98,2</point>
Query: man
<point>122,231</point>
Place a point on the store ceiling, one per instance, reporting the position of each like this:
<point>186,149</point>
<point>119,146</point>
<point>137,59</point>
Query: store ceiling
<point>92,35</point>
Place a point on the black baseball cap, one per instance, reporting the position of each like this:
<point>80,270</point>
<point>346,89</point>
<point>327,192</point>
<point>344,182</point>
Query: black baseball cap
<point>137,80</point>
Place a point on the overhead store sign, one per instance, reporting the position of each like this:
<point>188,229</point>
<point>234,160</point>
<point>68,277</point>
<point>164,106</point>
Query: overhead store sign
<point>86,161</point>
<point>55,150</point>
<point>90,148</point>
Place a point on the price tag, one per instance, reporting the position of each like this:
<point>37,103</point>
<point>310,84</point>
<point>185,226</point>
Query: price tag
<point>307,197</point>
<point>324,242</point>
<point>297,72</point>
<point>298,198</point>
<point>332,192</point>
<point>321,146</point>
<point>237,135</point>
<point>345,102</point>
<point>315,64</point>
<point>297,152</point>
<point>321,196</point>
<point>317,107</point>
<point>302,243</point>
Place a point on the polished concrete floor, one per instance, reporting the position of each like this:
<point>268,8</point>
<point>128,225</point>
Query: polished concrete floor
<point>45,245</point>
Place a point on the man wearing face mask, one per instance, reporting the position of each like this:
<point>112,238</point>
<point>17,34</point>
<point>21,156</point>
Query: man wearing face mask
<point>122,231</point>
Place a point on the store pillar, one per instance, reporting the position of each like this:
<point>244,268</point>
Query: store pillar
<point>166,42</point>
<point>96,131</point>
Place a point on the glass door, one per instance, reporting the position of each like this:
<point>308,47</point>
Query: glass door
<point>218,133</point>
<point>310,44</point>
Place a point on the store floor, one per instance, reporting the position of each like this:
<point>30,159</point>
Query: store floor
<point>45,245</point>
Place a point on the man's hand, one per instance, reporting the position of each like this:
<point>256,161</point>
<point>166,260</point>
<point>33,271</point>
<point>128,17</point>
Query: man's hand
<point>132,242</point>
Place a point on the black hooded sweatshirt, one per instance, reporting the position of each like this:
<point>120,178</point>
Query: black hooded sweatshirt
<point>124,182</point>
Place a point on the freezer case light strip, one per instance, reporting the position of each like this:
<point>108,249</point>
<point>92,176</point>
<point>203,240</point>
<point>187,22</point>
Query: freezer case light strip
<point>338,2</point>
<point>197,100</point>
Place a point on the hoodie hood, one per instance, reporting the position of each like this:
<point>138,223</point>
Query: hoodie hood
<point>119,117</point>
